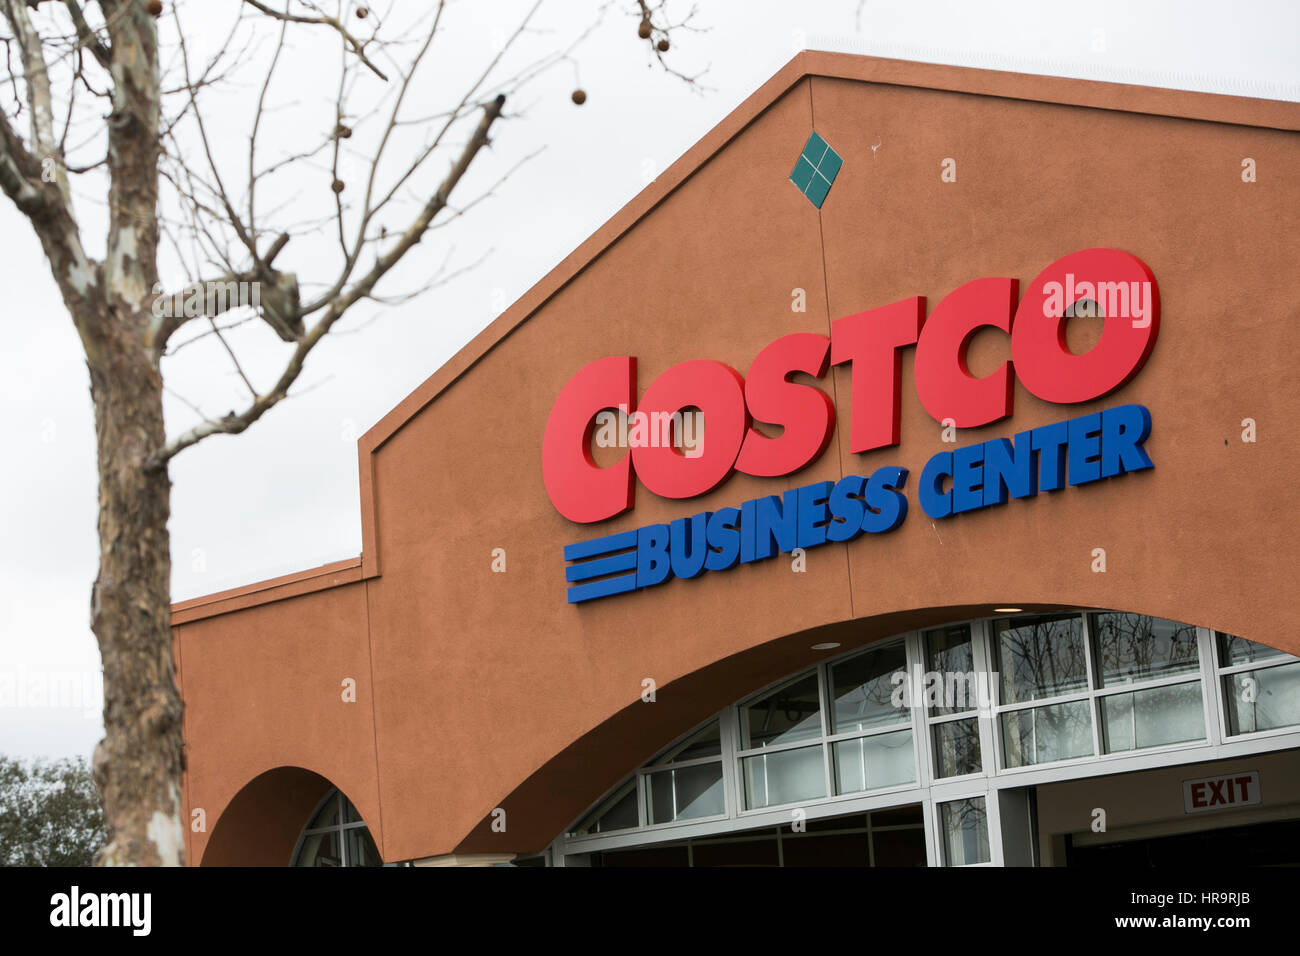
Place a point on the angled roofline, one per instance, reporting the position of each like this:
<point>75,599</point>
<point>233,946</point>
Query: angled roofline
<point>1062,91</point>
<point>332,575</point>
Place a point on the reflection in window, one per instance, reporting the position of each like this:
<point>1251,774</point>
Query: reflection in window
<point>1261,697</point>
<point>864,690</point>
<point>965,829</point>
<point>1267,699</point>
<point>948,652</point>
<point>957,747</point>
<point>1238,650</point>
<point>1046,734</point>
<point>1071,686</point>
<point>336,836</point>
<point>1134,647</point>
<point>1040,656</point>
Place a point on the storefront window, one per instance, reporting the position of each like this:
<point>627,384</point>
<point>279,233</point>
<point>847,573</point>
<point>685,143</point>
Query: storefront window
<point>1153,718</point>
<point>1260,686</point>
<point>866,744</point>
<point>320,849</point>
<point>1040,657</point>
<point>692,788</point>
<point>360,848</point>
<point>950,658</point>
<point>685,782</point>
<point>956,747</point>
<point>1029,693</point>
<point>864,690</point>
<point>1134,647</point>
<point>685,794</point>
<point>1137,677</point>
<point>870,763</point>
<point>785,776</point>
<point>1037,735</point>
<point>336,836</point>
<point>790,714</point>
<point>703,743</point>
<point>786,715</point>
<point>1237,650</point>
<point>949,652</point>
<point>965,828</point>
<point>619,812</point>
<point>1261,700</point>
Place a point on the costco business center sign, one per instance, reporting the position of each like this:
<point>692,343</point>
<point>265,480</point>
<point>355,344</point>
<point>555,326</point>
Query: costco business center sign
<point>1076,451</point>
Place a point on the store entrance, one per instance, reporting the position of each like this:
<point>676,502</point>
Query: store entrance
<point>1263,844</point>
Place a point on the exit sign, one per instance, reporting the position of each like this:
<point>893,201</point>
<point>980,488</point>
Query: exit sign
<point>1221,793</point>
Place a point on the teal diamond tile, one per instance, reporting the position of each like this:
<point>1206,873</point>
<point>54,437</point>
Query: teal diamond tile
<point>803,174</point>
<point>818,190</point>
<point>830,165</point>
<point>816,169</point>
<point>815,149</point>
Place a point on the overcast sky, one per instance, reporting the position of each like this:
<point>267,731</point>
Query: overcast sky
<point>283,496</point>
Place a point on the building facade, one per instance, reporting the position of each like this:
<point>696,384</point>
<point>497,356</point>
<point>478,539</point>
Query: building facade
<point>904,477</point>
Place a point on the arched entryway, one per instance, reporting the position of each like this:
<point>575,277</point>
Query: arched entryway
<point>278,813</point>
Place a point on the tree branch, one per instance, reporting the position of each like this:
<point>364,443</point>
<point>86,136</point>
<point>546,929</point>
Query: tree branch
<point>44,206</point>
<point>322,20</point>
<point>233,424</point>
<point>273,295</point>
<point>36,77</point>
<point>89,39</point>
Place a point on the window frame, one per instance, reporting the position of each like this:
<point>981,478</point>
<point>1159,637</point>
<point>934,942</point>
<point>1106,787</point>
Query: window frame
<point>981,713</point>
<point>927,789</point>
<point>992,819</point>
<point>337,828</point>
<point>1220,671</point>
<point>826,740</point>
<point>1095,692</point>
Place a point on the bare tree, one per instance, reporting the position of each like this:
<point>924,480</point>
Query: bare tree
<point>116,98</point>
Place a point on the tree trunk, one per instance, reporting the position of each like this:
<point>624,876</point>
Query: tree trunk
<point>138,764</point>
